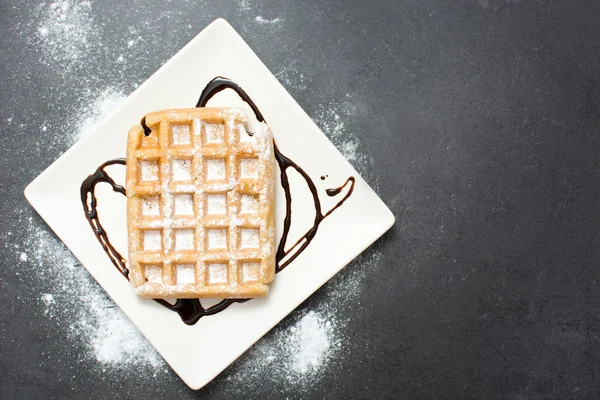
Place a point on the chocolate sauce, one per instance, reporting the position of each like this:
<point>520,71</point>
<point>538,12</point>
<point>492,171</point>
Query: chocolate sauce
<point>338,190</point>
<point>220,83</point>
<point>147,130</point>
<point>297,248</point>
<point>191,310</point>
<point>90,203</point>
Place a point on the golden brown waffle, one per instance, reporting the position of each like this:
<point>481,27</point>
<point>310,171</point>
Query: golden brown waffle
<point>200,205</point>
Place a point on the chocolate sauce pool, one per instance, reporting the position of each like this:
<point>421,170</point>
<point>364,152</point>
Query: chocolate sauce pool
<point>191,310</point>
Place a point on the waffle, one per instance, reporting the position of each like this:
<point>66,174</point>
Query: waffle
<point>200,205</point>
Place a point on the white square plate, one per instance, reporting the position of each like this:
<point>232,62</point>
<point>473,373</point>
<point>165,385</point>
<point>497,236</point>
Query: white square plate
<point>199,352</point>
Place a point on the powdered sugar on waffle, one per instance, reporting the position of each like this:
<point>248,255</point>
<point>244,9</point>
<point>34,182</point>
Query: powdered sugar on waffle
<point>184,204</point>
<point>151,205</point>
<point>215,170</point>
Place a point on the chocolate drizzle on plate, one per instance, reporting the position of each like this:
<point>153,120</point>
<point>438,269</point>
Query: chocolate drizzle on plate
<point>219,84</point>
<point>285,257</point>
<point>90,203</point>
<point>191,310</point>
<point>338,190</point>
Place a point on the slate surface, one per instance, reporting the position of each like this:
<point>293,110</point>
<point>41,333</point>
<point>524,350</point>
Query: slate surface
<point>481,119</point>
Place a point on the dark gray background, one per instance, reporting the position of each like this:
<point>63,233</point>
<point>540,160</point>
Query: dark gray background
<point>481,118</point>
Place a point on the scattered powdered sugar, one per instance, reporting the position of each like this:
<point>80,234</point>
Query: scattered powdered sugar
<point>64,30</point>
<point>79,304</point>
<point>294,355</point>
<point>332,119</point>
<point>49,302</point>
<point>65,34</point>
<point>47,298</point>
<point>115,342</point>
<point>264,21</point>
<point>98,104</point>
<point>294,81</point>
<point>244,6</point>
<point>334,127</point>
<point>310,342</point>
<point>76,123</point>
